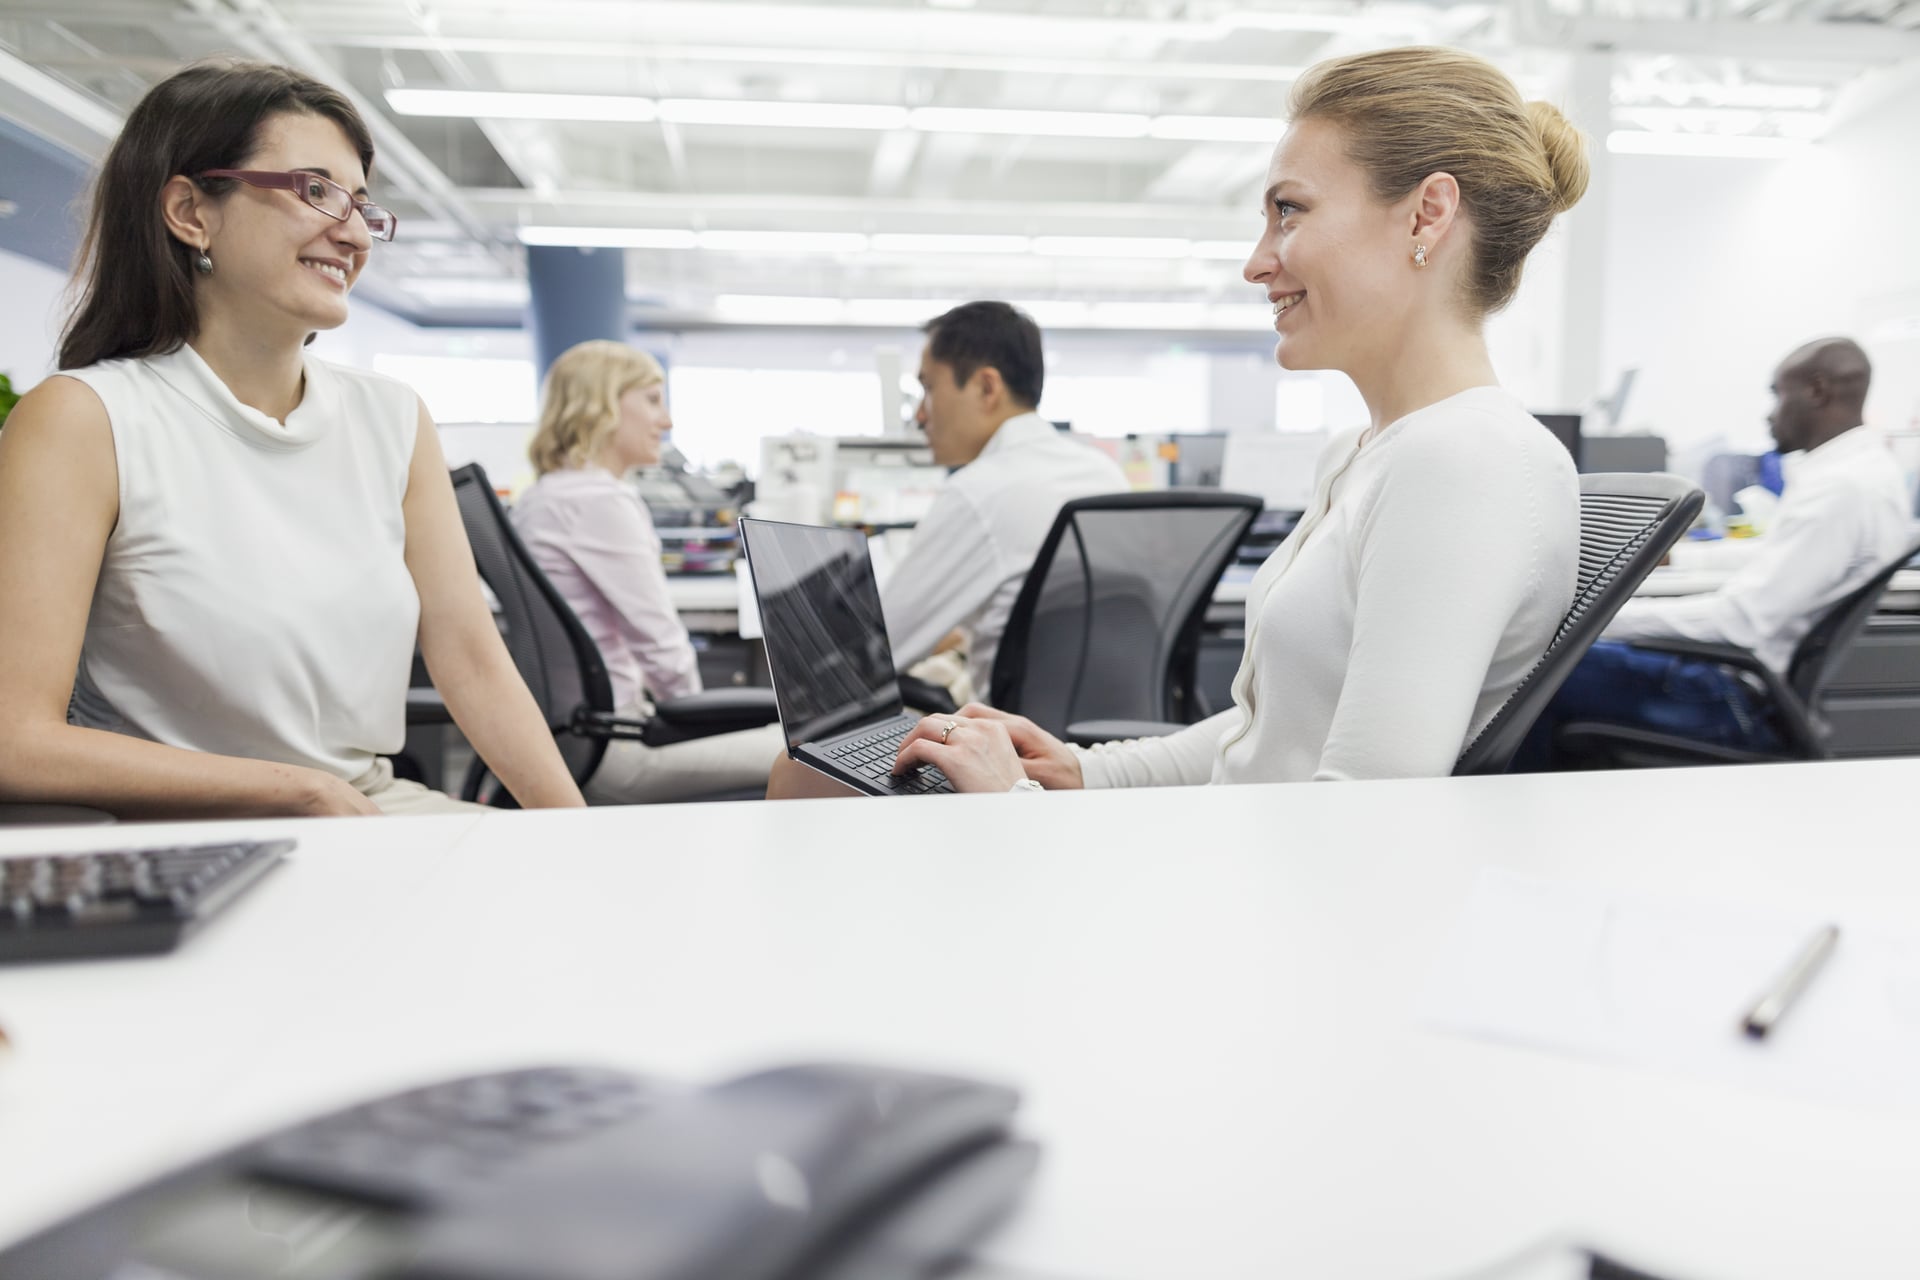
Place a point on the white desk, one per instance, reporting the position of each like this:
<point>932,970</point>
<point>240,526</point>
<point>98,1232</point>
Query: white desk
<point>1214,1035</point>
<point>1903,593</point>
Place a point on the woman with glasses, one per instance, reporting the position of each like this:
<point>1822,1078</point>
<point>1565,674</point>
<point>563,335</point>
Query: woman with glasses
<point>216,552</point>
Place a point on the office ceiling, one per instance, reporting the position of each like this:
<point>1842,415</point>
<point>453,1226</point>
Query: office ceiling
<point>1129,198</point>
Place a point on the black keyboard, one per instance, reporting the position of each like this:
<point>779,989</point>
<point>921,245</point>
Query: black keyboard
<point>62,906</point>
<point>872,755</point>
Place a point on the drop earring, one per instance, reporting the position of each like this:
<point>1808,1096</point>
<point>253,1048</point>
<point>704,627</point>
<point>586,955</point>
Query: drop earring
<point>1419,255</point>
<point>203,264</point>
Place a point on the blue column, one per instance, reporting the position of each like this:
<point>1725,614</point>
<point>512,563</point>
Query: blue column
<point>574,295</point>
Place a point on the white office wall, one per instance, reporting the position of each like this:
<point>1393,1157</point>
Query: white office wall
<point>31,297</point>
<point>1720,267</point>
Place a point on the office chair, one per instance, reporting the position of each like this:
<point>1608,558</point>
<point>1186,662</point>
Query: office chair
<point>1107,625</point>
<point>1792,703</point>
<point>561,664</point>
<point>1628,521</point>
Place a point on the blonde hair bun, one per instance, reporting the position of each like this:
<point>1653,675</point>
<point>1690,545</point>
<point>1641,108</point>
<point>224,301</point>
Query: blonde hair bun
<point>1565,148</point>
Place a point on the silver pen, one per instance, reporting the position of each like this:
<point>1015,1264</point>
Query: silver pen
<point>1777,999</point>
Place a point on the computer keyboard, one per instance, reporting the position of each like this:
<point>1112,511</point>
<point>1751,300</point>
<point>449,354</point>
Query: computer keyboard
<point>872,755</point>
<point>63,906</point>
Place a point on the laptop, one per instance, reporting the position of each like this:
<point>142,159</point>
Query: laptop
<point>833,673</point>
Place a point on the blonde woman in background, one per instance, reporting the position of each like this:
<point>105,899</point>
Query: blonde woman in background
<point>1440,550</point>
<point>603,412</point>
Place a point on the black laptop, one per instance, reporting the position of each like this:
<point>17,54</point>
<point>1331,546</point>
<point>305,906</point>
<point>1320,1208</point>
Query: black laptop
<point>826,639</point>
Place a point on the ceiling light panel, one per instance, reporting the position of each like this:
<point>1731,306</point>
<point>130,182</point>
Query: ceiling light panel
<point>1639,143</point>
<point>476,105</point>
<point>782,115</point>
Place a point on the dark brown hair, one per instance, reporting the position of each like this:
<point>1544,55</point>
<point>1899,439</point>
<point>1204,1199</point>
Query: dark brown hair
<point>133,284</point>
<point>1409,113</point>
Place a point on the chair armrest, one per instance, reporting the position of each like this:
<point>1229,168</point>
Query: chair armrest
<point>925,695</point>
<point>717,711</point>
<point>1589,737</point>
<point>1087,733</point>
<point>52,815</point>
<point>426,706</point>
<point>1795,718</point>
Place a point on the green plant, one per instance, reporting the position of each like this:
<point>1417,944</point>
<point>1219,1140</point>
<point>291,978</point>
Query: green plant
<point>8,397</point>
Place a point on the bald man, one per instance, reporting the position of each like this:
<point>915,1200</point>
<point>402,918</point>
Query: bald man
<point>1843,517</point>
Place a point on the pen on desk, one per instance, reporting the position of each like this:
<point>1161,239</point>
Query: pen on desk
<point>1777,999</point>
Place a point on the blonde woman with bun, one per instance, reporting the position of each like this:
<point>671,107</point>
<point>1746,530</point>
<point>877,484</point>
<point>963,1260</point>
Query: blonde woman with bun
<point>1441,548</point>
<point>603,412</point>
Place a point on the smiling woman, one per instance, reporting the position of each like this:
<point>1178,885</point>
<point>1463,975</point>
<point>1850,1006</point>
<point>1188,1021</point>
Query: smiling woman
<point>217,553</point>
<point>1438,552</point>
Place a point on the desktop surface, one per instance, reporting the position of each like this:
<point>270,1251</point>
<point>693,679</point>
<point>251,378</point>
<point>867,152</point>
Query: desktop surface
<point>1216,1037</point>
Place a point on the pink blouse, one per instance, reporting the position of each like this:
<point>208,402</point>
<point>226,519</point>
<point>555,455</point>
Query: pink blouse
<point>591,534</point>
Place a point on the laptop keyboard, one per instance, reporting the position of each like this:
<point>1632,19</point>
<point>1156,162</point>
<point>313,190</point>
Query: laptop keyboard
<point>871,755</point>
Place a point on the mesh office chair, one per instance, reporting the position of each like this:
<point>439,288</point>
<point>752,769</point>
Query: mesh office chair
<point>1792,704</point>
<point>562,665</point>
<point>1107,624</point>
<point>1628,521</point>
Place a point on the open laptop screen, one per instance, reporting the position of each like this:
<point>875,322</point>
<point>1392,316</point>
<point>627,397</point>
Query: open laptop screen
<point>826,637</point>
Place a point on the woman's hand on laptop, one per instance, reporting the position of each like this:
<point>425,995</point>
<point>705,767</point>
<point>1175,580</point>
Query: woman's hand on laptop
<point>980,749</point>
<point>976,755</point>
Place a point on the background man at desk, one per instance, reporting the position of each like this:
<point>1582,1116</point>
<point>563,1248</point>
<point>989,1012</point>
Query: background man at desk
<point>1842,518</point>
<point>981,372</point>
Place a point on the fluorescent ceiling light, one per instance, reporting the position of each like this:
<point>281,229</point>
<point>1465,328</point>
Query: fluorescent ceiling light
<point>472,104</point>
<point>1634,142</point>
<point>1112,246</point>
<point>908,242</point>
<point>611,237</point>
<point>1224,250</point>
<point>789,115</point>
<point>784,241</point>
<point>847,242</point>
<point>1059,124</point>
<point>618,109</point>
<point>1217,128</point>
<point>753,308</point>
<point>469,292</point>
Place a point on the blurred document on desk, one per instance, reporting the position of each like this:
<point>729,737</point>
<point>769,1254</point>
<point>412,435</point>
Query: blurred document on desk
<point>1646,981</point>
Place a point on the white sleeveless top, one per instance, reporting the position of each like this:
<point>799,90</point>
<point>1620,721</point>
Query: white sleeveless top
<point>254,599</point>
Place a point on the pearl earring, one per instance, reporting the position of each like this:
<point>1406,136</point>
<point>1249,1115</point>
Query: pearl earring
<point>1419,255</point>
<point>203,264</point>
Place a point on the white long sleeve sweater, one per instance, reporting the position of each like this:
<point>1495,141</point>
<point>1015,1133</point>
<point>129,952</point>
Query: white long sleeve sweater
<point>1426,580</point>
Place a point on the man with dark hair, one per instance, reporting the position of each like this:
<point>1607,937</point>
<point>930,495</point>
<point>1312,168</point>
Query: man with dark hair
<point>1843,517</point>
<point>981,372</point>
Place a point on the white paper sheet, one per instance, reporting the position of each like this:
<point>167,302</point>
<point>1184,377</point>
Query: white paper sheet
<point>1663,983</point>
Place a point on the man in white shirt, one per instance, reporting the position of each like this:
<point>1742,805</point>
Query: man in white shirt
<point>981,373</point>
<point>1843,517</point>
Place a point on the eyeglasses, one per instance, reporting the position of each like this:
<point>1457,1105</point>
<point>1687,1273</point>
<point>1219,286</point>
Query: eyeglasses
<point>324,194</point>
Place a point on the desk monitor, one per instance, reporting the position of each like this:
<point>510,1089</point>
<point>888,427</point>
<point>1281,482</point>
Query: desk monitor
<point>1624,453</point>
<point>1566,429</point>
<point>1278,466</point>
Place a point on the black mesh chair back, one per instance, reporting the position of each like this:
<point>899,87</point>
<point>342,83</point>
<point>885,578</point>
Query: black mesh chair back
<point>1107,624</point>
<point>1814,658</point>
<point>1628,521</point>
<point>555,655</point>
